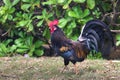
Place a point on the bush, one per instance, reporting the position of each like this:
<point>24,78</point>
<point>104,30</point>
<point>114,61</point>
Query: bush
<point>25,22</point>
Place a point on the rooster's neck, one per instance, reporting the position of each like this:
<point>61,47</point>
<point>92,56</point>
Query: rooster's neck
<point>58,37</point>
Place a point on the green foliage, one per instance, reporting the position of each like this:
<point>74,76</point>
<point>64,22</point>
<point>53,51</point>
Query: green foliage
<point>118,40</point>
<point>94,55</point>
<point>25,44</point>
<point>79,1</point>
<point>29,5</point>
<point>44,17</point>
<point>6,11</point>
<point>23,19</point>
<point>91,4</point>
<point>5,48</point>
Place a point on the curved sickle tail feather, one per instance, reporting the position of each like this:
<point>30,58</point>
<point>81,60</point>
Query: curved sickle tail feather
<point>97,35</point>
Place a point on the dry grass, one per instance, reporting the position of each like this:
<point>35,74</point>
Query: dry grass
<point>48,68</point>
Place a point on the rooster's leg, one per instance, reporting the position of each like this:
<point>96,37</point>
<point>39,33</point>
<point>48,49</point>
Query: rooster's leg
<point>66,62</point>
<point>65,68</point>
<point>76,68</point>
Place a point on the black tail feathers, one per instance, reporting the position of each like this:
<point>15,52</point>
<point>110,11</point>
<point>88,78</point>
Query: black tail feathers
<point>98,37</point>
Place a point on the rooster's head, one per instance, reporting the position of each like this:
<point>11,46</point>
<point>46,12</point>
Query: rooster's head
<point>52,25</point>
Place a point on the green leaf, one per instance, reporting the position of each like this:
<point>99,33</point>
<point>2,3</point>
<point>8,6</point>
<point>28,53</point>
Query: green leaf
<point>26,0</point>
<point>117,43</point>
<point>2,54</point>
<point>10,17</point>
<point>29,41</point>
<point>84,20</point>
<point>72,25</point>
<point>69,31</point>
<point>72,14</point>
<point>30,27</point>
<point>2,10</point>
<point>7,41</point>
<point>39,17</point>
<point>38,52</point>
<point>46,33</point>
<point>79,1</point>
<point>21,34</point>
<point>23,47</point>
<point>3,48</point>
<point>118,37</point>
<point>61,1</point>
<point>8,3</point>
<point>62,22</point>
<point>26,16</point>
<point>44,13</point>
<point>49,15</point>
<point>21,50</point>
<point>48,2</point>
<point>5,18</point>
<point>22,23</point>
<point>15,2</point>
<point>118,40</point>
<point>25,7</point>
<point>38,44</point>
<point>74,37</point>
<point>91,4</point>
<point>13,47</point>
<point>97,13</point>
<point>67,4</point>
<point>19,42</point>
<point>11,10</point>
<point>76,12</point>
<point>86,12</point>
<point>32,49</point>
<point>40,23</point>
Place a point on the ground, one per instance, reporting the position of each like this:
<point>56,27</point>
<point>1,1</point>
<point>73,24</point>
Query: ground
<point>48,68</point>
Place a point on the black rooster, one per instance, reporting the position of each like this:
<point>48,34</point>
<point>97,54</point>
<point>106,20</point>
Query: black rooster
<point>95,35</point>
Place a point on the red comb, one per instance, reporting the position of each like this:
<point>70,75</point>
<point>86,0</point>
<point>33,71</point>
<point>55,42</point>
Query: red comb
<point>53,23</point>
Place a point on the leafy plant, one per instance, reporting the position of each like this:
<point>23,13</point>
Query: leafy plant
<point>25,45</point>
<point>44,17</point>
<point>24,20</point>
<point>5,49</point>
<point>118,40</point>
<point>91,4</point>
<point>94,55</point>
<point>29,5</point>
<point>7,10</point>
<point>79,1</point>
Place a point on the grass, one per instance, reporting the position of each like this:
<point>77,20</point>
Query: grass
<point>48,68</point>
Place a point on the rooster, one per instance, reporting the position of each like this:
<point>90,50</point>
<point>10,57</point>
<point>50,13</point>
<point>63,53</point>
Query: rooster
<point>95,36</point>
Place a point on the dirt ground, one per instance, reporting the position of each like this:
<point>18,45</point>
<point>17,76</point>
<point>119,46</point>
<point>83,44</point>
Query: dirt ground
<point>48,68</point>
<point>115,53</point>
